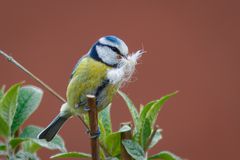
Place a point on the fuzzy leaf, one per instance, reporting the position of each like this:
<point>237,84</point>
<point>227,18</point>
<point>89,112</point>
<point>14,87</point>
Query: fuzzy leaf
<point>157,136</point>
<point>16,141</point>
<point>164,155</point>
<point>71,155</point>
<point>104,117</point>
<point>8,104</point>
<point>145,110</point>
<point>145,132</point>
<point>30,146</point>
<point>4,128</point>
<point>143,113</point>
<point>102,153</point>
<point>28,101</point>
<point>102,131</point>
<point>133,149</point>
<point>113,143</point>
<point>31,132</point>
<point>104,122</point>
<point>132,109</point>
<point>155,108</point>
<point>26,156</point>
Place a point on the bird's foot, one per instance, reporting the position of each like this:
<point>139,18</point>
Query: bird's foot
<point>94,135</point>
<point>86,109</point>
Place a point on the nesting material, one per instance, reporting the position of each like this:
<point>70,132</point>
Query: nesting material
<point>125,69</point>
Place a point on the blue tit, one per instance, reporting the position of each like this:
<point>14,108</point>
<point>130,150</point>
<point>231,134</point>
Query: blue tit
<point>100,72</point>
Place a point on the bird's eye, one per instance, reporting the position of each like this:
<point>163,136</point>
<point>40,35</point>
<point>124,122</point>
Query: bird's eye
<point>119,57</point>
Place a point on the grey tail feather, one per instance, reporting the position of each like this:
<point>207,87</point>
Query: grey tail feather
<point>52,129</point>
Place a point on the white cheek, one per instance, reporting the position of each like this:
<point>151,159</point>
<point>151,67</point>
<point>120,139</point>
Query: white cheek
<point>107,55</point>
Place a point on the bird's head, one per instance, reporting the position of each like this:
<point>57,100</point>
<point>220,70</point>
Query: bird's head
<point>109,50</point>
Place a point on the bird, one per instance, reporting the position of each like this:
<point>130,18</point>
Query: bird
<point>100,72</point>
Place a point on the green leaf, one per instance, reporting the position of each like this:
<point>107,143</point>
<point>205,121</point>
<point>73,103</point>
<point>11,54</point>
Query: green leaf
<point>30,146</point>
<point>102,131</point>
<point>104,122</point>
<point>156,137</point>
<point>145,132</point>
<point>155,108</point>
<point>145,110</point>
<point>8,104</point>
<point>29,99</point>
<point>165,155</point>
<point>16,141</point>
<point>31,132</point>
<point>71,155</point>
<point>134,149</point>
<point>3,147</point>
<point>104,117</point>
<point>113,143</point>
<point>132,109</point>
<point>4,128</point>
<point>25,156</point>
<point>102,153</point>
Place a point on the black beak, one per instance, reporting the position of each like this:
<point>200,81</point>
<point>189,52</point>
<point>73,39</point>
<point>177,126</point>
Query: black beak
<point>124,56</point>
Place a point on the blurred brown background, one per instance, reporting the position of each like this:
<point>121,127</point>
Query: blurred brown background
<point>192,46</point>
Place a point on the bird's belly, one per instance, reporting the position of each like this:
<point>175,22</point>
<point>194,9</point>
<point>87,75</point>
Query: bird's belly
<point>106,95</point>
<point>77,99</point>
<point>87,80</point>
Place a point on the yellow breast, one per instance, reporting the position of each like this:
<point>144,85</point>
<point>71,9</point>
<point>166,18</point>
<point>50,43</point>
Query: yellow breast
<point>88,76</point>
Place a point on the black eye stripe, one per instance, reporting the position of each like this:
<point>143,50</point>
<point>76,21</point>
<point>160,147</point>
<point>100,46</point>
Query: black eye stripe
<point>114,49</point>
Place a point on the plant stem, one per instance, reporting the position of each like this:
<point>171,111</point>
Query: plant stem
<point>12,60</point>
<point>53,92</point>
<point>88,131</point>
<point>124,136</point>
<point>93,121</point>
<point>19,146</point>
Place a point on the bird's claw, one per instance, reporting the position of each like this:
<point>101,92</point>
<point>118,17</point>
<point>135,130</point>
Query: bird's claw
<point>94,135</point>
<point>86,109</point>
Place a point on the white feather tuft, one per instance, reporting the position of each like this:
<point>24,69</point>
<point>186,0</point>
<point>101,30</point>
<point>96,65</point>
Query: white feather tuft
<point>125,69</point>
